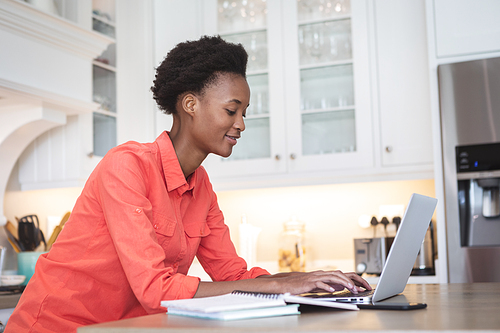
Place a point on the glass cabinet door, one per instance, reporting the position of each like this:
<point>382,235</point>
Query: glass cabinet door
<point>260,147</point>
<point>308,73</point>
<point>104,79</point>
<point>334,129</point>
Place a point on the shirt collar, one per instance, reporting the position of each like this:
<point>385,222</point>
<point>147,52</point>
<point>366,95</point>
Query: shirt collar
<point>174,177</point>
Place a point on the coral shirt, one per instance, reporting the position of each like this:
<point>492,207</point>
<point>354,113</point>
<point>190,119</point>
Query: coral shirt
<point>128,244</point>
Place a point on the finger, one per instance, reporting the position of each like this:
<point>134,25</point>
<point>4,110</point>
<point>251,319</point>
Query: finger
<point>336,277</point>
<point>358,280</point>
<point>324,286</point>
<point>336,286</point>
<point>346,281</point>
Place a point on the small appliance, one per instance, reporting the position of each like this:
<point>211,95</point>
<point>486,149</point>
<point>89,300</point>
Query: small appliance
<point>370,254</point>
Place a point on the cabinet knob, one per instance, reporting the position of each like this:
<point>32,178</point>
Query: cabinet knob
<point>91,154</point>
<point>388,149</point>
<point>292,156</point>
<point>277,157</point>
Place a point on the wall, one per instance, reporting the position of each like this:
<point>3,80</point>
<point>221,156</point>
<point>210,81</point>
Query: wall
<point>43,203</point>
<point>330,212</point>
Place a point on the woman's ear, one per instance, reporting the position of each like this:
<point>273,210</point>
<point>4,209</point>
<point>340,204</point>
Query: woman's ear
<point>189,103</point>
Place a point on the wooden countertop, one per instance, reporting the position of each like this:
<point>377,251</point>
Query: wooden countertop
<point>450,308</point>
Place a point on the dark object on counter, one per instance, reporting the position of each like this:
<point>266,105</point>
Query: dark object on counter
<point>30,235</point>
<point>383,306</point>
<point>425,263</point>
<point>397,221</point>
<point>8,290</point>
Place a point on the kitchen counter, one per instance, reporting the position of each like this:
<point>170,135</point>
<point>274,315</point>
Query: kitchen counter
<point>451,308</point>
<point>9,301</point>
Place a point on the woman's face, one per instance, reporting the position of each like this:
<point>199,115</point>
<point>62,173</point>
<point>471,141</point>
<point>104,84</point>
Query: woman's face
<point>223,106</point>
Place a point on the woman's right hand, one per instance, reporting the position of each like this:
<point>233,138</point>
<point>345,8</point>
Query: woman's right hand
<point>294,283</point>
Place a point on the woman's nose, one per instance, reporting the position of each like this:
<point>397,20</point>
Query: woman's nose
<point>240,124</point>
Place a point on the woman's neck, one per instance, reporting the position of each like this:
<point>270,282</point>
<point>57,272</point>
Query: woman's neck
<point>187,154</point>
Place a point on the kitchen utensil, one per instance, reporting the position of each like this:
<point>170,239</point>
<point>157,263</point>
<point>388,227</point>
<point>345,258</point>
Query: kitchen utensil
<point>12,228</point>
<point>14,246</point>
<point>30,235</point>
<point>56,232</point>
<point>9,227</point>
<point>64,219</point>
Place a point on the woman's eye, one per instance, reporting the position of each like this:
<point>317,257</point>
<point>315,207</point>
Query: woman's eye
<point>231,112</point>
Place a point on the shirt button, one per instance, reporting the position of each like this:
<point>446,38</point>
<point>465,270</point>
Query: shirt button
<point>138,210</point>
<point>176,265</point>
<point>201,232</point>
<point>156,226</point>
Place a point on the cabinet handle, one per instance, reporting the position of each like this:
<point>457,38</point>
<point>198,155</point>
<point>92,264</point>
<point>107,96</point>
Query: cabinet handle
<point>292,156</point>
<point>277,157</point>
<point>388,149</point>
<point>91,154</point>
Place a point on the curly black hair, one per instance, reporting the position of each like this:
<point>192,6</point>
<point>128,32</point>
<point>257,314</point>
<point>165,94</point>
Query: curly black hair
<point>192,66</point>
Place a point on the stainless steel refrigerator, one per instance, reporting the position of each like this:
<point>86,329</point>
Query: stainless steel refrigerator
<point>469,94</point>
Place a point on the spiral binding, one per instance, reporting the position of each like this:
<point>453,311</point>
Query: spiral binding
<point>257,294</point>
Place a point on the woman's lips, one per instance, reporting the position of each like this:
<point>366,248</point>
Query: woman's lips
<point>231,139</point>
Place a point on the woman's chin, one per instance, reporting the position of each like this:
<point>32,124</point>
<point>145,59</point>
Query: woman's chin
<point>224,154</point>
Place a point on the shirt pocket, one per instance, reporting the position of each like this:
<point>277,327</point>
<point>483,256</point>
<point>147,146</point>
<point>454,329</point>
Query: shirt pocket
<point>195,230</point>
<point>195,233</point>
<point>164,227</point>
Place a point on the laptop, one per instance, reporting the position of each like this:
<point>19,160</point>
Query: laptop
<point>401,257</point>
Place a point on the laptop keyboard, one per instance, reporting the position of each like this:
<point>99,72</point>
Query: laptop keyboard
<point>343,293</point>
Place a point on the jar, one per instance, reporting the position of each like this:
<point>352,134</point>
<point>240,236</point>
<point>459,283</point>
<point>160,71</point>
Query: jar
<point>292,250</point>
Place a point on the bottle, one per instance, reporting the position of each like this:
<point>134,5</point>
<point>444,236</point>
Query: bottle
<point>292,251</point>
<point>248,241</point>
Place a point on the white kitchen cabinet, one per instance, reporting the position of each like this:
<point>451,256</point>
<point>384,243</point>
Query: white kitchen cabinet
<point>328,104</point>
<point>309,112</point>
<point>46,83</point>
<point>65,156</point>
<point>261,149</point>
<point>466,28</point>
<point>403,89</point>
<point>59,157</point>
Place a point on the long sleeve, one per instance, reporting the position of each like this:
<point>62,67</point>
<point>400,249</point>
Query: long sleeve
<point>217,253</point>
<point>135,229</point>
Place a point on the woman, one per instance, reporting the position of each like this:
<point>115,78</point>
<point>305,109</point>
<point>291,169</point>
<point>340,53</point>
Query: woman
<point>148,209</point>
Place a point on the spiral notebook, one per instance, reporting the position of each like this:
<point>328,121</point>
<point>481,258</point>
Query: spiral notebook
<point>244,305</point>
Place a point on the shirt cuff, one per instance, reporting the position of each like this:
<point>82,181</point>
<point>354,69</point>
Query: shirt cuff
<point>255,272</point>
<point>189,288</point>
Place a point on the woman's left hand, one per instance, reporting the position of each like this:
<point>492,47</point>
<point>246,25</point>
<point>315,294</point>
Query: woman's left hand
<point>325,281</point>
